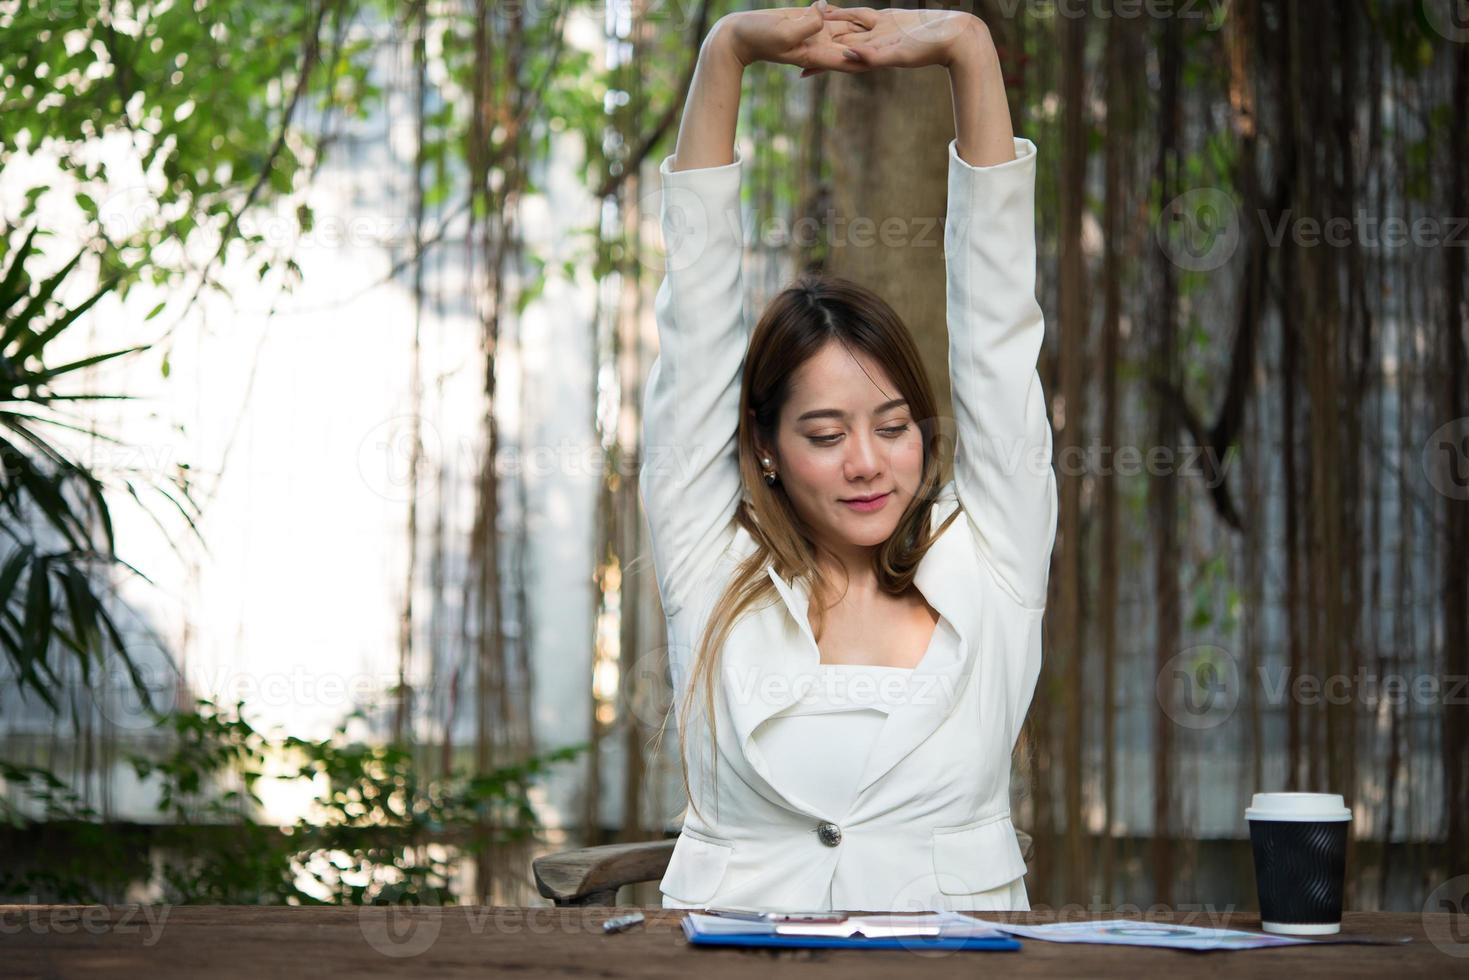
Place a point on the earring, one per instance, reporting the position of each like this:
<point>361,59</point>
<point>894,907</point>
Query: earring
<point>770,476</point>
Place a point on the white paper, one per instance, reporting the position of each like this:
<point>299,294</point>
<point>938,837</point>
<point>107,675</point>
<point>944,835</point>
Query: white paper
<point>1133,932</point>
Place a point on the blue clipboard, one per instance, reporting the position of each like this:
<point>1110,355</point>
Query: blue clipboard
<point>847,942</point>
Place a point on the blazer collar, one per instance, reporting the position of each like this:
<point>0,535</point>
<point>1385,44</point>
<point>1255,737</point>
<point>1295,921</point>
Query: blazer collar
<point>763,679</point>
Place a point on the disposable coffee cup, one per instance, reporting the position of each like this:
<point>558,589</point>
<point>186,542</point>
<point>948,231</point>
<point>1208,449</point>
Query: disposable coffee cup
<point>1300,846</point>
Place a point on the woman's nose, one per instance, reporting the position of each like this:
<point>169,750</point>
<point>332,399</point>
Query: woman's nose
<point>865,456</point>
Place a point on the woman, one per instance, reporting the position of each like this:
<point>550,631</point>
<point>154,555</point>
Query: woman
<point>785,593</point>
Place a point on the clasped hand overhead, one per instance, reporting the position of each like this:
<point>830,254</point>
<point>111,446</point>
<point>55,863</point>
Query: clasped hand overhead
<point>821,37</point>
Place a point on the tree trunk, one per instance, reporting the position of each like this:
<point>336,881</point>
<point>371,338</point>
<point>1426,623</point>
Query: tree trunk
<point>1068,629</point>
<point>1162,486</point>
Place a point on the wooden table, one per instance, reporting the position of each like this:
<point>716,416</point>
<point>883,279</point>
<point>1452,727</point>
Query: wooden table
<point>483,941</point>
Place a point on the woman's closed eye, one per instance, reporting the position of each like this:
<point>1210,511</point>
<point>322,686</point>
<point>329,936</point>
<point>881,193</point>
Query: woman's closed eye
<point>892,432</point>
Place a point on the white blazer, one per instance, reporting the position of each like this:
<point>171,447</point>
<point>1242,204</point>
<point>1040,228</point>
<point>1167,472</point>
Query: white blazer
<point>930,826</point>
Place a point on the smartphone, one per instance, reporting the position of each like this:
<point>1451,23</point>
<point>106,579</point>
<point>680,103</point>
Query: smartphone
<point>808,916</point>
<point>753,916</point>
<point>744,914</point>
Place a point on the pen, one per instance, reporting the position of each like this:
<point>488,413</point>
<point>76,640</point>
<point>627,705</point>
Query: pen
<point>622,922</point>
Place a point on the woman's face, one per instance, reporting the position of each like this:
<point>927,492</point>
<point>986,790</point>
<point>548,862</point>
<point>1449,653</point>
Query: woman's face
<point>844,433</point>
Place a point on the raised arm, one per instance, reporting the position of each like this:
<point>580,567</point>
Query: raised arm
<point>1002,469</point>
<point>706,133</point>
<point>689,479</point>
<point>800,36</point>
<point>981,112</point>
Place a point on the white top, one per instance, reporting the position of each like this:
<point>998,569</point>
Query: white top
<point>821,742</point>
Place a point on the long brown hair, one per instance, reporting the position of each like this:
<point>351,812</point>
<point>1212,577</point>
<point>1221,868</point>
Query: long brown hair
<point>815,310</point>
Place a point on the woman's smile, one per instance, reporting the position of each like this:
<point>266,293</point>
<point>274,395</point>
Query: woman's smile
<point>868,506</point>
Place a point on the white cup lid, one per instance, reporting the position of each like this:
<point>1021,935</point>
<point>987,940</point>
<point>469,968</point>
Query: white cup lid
<point>1297,806</point>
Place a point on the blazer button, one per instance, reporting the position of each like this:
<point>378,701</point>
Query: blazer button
<point>830,834</point>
